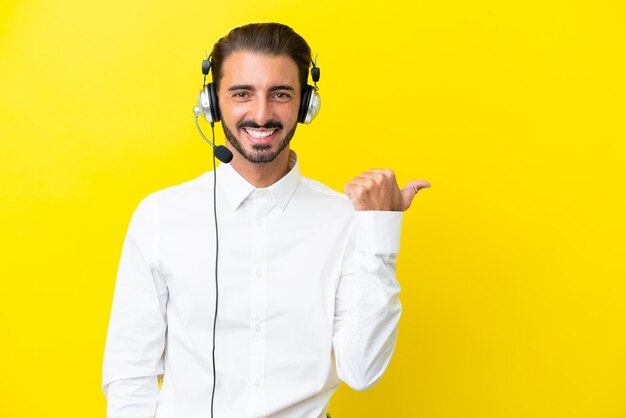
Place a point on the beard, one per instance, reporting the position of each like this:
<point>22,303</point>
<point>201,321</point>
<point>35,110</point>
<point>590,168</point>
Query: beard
<point>260,153</point>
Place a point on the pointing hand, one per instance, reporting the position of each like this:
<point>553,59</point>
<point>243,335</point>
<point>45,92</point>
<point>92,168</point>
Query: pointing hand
<point>378,190</point>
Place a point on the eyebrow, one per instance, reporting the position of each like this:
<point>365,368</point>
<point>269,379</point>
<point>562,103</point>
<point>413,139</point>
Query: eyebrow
<point>251,88</point>
<point>282,87</point>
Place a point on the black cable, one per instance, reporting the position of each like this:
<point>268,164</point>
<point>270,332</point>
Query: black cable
<point>217,242</point>
<point>207,139</point>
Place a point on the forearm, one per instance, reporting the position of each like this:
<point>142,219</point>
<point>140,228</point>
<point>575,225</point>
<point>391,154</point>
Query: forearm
<point>367,304</point>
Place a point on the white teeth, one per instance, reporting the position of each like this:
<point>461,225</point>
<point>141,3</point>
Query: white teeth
<point>259,134</point>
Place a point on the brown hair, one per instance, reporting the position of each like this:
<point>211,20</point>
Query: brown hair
<point>266,38</point>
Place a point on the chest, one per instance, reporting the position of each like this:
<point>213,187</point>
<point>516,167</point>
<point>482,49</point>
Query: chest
<point>273,266</point>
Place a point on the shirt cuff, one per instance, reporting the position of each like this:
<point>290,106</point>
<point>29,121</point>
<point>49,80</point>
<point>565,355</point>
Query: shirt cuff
<point>378,232</point>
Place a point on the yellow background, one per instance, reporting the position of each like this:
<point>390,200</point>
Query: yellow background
<point>512,264</point>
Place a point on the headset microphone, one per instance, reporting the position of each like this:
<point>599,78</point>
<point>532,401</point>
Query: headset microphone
<point>220,151</point>
<point>223,154</point>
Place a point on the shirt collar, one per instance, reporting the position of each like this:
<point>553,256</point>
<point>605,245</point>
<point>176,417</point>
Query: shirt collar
<point>237,188</point>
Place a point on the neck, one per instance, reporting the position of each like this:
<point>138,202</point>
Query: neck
<point>262,175</point>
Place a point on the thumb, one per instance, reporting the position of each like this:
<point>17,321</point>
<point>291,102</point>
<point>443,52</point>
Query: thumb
<point>411,189</point>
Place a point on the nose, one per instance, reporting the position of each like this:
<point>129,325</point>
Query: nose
<point>261,111</point>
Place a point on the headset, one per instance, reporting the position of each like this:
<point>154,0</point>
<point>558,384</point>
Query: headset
<point>309,101</point>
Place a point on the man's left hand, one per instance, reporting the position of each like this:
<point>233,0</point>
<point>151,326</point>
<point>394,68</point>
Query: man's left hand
<point>378,190</point>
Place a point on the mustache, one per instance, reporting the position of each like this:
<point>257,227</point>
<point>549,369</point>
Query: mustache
<point>270,124</point>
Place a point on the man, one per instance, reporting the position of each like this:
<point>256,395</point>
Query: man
<point>307,290</point>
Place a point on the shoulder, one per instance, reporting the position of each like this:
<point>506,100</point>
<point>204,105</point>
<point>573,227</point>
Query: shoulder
<point>179,197</point>
<point>186,190</point>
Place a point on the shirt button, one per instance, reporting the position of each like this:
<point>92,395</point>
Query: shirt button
<point>258,273</point>
<point>257,383</point>
<point>257,328</point>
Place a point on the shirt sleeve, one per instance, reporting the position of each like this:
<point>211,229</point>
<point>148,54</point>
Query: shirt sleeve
<point>367,307</point>
<point>133,355</point>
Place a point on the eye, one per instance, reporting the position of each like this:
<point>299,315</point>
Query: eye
<point>240,95</point>
<point>281,96</point>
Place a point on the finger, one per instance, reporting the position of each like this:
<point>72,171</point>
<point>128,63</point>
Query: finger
<point>377,177</point>
<point>410,190</point>
<point>363,181</point>
<point>353,191</point>
<point>382,174</point>
<point>368,175</point>
<point>378,172</point>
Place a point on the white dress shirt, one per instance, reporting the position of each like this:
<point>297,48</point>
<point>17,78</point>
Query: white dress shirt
<point>307,298</point>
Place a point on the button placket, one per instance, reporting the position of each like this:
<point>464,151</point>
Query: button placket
<point>263,204</point>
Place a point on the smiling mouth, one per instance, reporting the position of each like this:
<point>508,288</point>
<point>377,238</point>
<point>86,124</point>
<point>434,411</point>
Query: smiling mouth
<point>261,136</point>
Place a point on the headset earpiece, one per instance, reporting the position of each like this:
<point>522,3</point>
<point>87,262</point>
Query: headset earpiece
<point>207,100</point>
<point>310,101</point>
<point>309,105</point>
<point>215,109</point>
